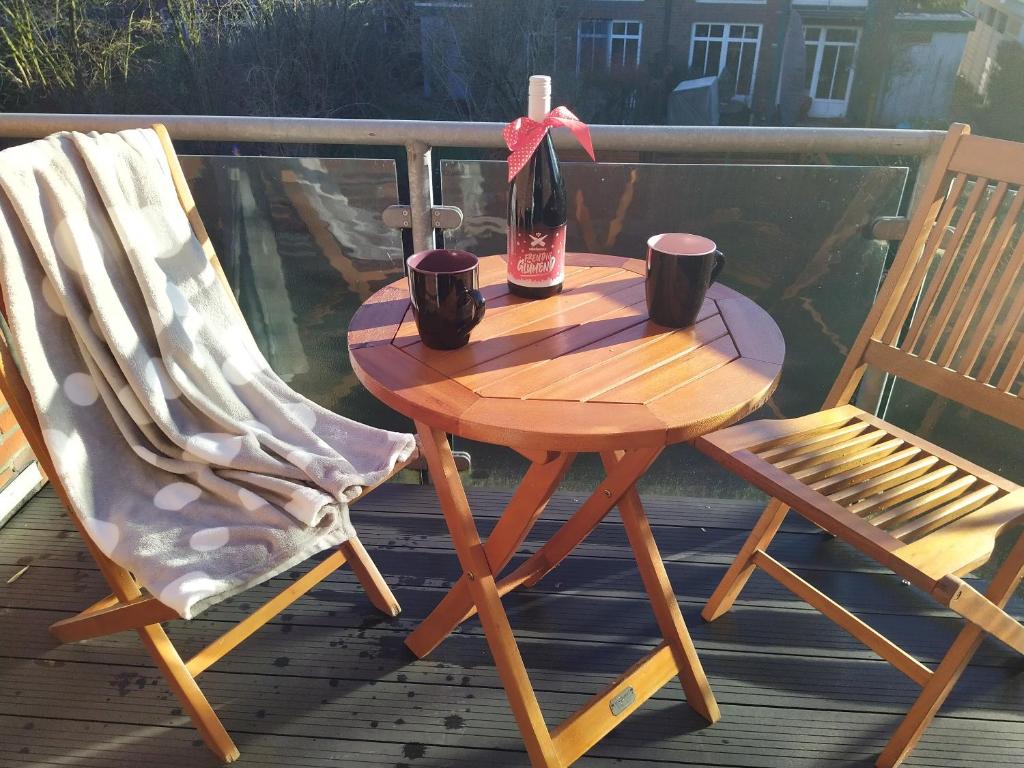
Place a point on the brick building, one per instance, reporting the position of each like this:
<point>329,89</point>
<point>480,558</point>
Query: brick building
<point>777,61</point>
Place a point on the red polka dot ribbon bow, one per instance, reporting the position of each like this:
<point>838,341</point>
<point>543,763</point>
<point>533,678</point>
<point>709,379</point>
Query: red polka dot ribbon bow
<point>523,136</point>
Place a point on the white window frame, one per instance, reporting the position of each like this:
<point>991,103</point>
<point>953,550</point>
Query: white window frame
<point>608,40</point>
<point>723,53</point>
<point>831,108</point>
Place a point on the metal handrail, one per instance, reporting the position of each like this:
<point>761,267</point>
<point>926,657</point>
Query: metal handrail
<point>419,136</point>
<point>437,133</point>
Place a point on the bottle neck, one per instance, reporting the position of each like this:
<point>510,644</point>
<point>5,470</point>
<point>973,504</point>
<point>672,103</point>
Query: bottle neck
<point>539,106</point>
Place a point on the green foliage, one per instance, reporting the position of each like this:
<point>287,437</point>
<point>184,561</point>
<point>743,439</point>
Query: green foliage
<point>262,57</point>
<point>69,46</point>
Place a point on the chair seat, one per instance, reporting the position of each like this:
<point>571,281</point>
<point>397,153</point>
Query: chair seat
<point>917,508</point>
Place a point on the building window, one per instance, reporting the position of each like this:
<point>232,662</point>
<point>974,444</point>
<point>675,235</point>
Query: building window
<point>729,51</point>
<point>831,53</point>
<point>608,44</point>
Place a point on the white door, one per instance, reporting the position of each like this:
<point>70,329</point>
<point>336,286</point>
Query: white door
<point>831,53</point>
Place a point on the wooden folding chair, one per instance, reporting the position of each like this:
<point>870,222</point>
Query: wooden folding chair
<point>128,607</point>
<point>948,319</point>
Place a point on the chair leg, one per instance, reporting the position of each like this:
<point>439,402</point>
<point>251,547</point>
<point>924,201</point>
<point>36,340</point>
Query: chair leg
<point>370,577</point>
<point>192,699</point>
<point>168,661</point>
<point>97,622</point>
<point>953,664</point>
<point>743,566</point>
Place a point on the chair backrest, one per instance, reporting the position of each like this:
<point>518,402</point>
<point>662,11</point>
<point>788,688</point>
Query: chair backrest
<point>950,316</point>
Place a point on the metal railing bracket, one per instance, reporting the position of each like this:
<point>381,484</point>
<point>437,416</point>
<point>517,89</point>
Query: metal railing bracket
<point>441,217</point>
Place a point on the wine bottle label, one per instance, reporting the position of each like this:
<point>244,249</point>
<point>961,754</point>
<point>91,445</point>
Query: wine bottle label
<point>537,257</point>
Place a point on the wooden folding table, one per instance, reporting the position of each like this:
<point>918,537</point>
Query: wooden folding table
<point>584,371</point>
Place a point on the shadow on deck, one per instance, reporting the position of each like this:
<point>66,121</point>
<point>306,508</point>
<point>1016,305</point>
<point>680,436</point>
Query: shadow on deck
<point>330,683</point>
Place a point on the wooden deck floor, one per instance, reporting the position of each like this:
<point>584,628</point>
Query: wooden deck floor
<point>329,683</point>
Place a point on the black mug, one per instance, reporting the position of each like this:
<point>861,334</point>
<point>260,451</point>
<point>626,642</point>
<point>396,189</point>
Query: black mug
<point>680,268</point>
<point>446,300</point>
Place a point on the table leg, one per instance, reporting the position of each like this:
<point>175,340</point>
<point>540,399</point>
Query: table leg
<point>481,592</point>
<point>663,599</point>
<point>524,508</point>
<point>618,480</point>
<point>484,593</point>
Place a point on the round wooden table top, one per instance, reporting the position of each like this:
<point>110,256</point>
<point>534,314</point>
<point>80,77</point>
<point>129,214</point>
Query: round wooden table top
<point>582,371</point>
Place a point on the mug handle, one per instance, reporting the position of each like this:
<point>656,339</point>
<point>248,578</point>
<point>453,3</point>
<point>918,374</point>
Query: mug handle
<point>479,309</point>
<point>719,264</point>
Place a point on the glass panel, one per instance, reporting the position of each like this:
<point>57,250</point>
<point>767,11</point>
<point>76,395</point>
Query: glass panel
<point>303,245</point>
<point>714,59</point>
<point>745,79</point>
<point>812,33</point>
<point>631,53</point>
<point>810,56</point>
<point>717,30</point>
<point>701,30</point>
<point>826,72</point>
<point>794,240</point>
<point>618,52</point>
<point>700,53</point>
<point>844,63</point>
<point>729,84</point>
<point>841,35</point>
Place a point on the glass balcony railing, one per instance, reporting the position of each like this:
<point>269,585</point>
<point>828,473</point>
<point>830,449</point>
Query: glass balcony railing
<point>303,243</point>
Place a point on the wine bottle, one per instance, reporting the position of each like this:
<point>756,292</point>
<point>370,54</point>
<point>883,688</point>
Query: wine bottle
<point>537,212</point>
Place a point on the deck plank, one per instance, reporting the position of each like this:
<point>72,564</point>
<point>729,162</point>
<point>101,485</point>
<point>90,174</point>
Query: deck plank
<point>330,682</point>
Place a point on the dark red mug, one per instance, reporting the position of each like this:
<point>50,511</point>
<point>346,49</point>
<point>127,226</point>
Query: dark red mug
<point>680,269</point>
<point>444,288</point>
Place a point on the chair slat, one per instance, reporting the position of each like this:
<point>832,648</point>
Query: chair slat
<point>867,489</point>
<point>981,336</point>
<point>945,515</point>
<point>831,452</point>
<point>863,473</point>
<point>972,302</point>
<point>955,292</point>
<point>945,266</point>
<point>923,260</point>
<point>1003,337</point>
<point>846,462</point>
<point>921,504</point>
<point>760,436</point>
<point>1013,367</point>
<point>813,443</point>
<point>902,492</point>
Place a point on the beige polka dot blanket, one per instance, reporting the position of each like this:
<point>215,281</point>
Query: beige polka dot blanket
<point>188,460</point>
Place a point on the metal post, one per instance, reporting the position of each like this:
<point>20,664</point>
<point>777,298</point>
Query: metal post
<point>421,195</point>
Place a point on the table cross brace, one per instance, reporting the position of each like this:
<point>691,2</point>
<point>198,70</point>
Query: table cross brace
<point>479,591</point>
